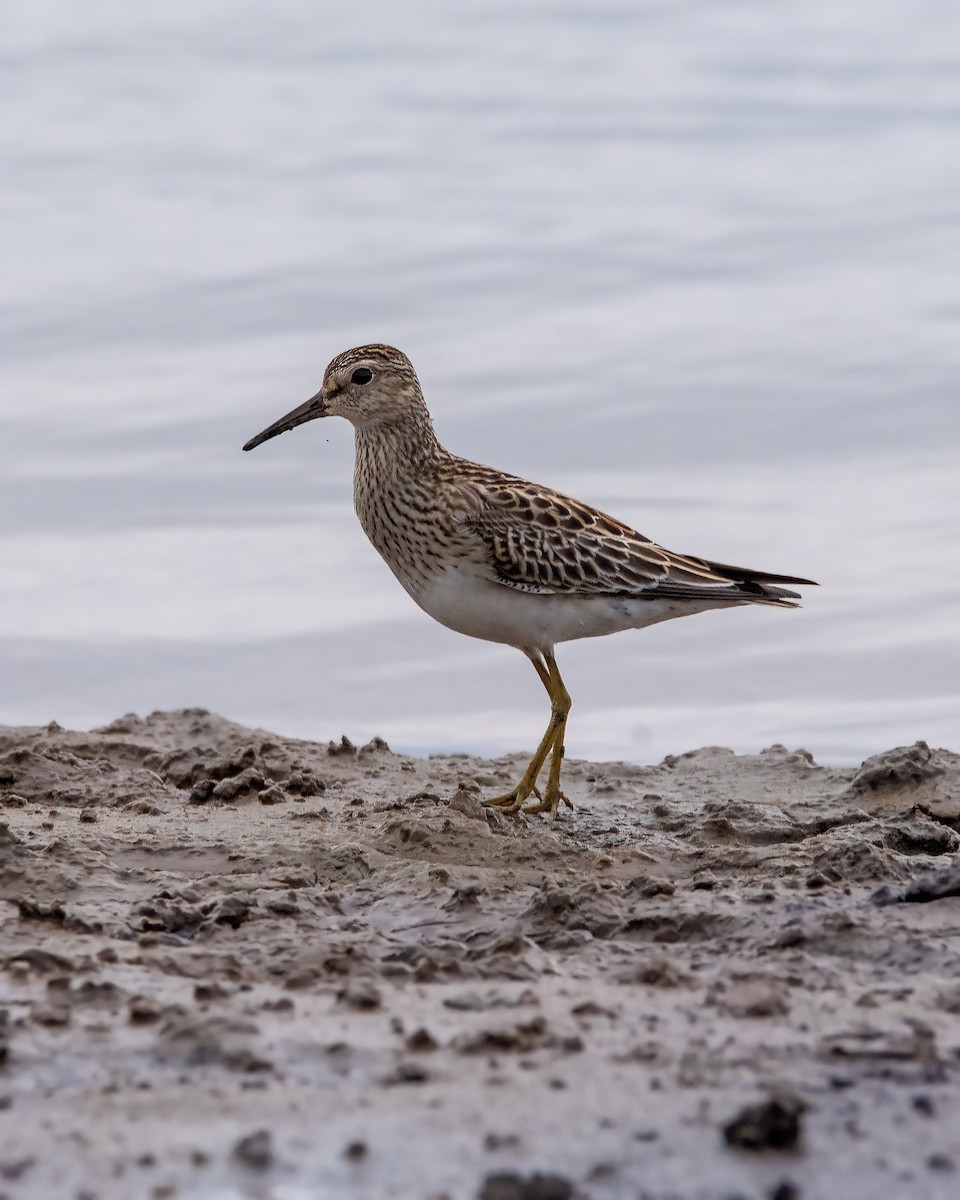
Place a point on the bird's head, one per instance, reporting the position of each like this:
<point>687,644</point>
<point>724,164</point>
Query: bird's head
<point>369,385</point>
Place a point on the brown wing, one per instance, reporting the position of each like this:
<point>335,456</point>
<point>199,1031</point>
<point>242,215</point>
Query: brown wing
<point>537,540</point>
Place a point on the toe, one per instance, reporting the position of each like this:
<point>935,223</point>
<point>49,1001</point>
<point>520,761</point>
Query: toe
<point>509,804</point>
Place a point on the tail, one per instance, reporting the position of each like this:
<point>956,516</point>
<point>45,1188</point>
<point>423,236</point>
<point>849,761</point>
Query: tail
<point>760,587</point>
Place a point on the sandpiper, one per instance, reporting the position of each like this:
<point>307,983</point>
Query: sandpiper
<point>498,558</point>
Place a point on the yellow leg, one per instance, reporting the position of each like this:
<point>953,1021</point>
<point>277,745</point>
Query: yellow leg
<point>550,744</point>
<point>549,802</point>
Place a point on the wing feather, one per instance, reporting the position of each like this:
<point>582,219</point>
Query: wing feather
<point>538,540</point>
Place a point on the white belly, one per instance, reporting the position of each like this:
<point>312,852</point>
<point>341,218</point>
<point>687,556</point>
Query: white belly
<point>495,613</point>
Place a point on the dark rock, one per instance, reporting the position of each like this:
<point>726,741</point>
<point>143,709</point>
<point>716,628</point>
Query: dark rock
<point>934,886</point>
<point>657,972</point>
<point>232,911</point>
<point>915,1043</point>
<point>774,1124</point>
<point>38,910</point>
<point>421,1041</point>
<point>646,887</point>
<point>201,791</point>
<point>521,1038</point>
<point>56,1013</point>
<point>246,783</point>
<point>363,996</point>
<point>40,960</point>
<point>144,1010</point>
<point>916,834</point>
<point>303,782</point>
<point>274,794</point>
<point>467,896</point>
<point>407,1073</point>
<point>510,1185</point>
<point>255,1150</point>
<point>139,808</point>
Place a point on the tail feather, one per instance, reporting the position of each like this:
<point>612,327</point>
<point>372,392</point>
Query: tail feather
<point>761,586</point>
<point>743,574</point>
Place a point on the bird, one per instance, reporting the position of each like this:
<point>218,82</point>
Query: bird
<point>492,556</point>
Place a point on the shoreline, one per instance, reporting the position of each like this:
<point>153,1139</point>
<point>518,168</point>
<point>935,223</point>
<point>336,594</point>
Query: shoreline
<point>215,934</point>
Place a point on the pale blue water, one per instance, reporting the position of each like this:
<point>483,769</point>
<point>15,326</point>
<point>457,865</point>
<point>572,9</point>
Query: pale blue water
<point>696,263</point>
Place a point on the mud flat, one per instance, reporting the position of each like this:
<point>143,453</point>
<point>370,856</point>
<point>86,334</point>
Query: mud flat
<point>237,965</point>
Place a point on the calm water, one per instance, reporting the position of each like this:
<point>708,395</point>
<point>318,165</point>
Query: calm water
<point>697,264</point>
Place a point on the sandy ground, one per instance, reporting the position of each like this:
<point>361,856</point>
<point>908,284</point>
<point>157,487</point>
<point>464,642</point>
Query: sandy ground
<point>237,965</point>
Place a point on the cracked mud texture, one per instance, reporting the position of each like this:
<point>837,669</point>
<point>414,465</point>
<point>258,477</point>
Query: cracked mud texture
<point>235,964</point>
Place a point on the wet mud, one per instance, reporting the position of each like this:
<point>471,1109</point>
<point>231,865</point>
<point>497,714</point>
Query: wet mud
<point>235,964</point>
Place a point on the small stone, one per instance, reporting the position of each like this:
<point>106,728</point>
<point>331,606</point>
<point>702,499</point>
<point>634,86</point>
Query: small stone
<point>16,1168</point>
<point>140,808</point>
<point>274,794</point>
<point>143,1010</point>
<point>232,911</point>
<point>757,998</point>
<point>53,1015</point>
<point>421,1041</point>
<point>605,1169</point>
<point>510,1185</point>
<point>40,910</point>
<point>255,1150</point>
<point>657,972</point>
<point>469,803</point>
<point>773,1124</point>
<point>249,780</point>
<point>201,791</point>
<point>355,1151</point>
<point>362,995</point>
<point>203,993</point>
<point>503,1185</point>
<point>407,1073</point>
<point>281,1004</point>
<point>303,783</point>
<point>500,1141</point>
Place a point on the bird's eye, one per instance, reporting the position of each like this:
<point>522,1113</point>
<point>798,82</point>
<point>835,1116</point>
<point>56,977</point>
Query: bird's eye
<point>361,375</point>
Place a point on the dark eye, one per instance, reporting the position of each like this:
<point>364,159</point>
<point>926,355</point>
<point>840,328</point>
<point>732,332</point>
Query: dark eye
<point>361,375</point>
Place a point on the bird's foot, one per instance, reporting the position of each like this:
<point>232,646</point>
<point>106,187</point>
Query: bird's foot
<point>548,803</point>
<point>511,803</point>
<point>514,802</point>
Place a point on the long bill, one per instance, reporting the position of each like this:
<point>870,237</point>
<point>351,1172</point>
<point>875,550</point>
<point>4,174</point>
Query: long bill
<point>308,411</point>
